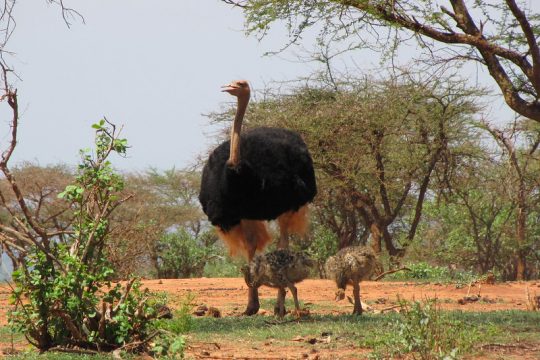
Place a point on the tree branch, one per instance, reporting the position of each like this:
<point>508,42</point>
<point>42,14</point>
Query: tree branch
<point>531,41</point>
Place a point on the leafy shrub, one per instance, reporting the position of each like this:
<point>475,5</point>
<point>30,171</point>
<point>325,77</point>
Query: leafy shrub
<point>426,333</point>
<point>183,255</point>
<point>423,271</point>
<point>426,272</point>
<point>171,343</point>
<point>323,245</point>
<point>63,295</point>
<point>223,266</point>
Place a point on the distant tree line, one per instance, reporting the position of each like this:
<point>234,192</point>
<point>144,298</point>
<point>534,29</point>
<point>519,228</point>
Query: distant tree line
<point>407,165</point>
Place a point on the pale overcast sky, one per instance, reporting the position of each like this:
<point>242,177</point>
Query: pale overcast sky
<point>153,66</point>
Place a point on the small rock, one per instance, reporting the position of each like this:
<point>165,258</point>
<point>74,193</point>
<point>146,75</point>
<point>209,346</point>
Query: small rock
<point>201,308</point>
<point>305,356</point>
<point>205,353</point>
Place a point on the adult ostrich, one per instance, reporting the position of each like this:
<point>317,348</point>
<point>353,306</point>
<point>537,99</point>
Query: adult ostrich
<point>257,176</point>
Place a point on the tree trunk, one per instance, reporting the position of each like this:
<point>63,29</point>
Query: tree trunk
<point>521,239</point>
<point>376,238</point>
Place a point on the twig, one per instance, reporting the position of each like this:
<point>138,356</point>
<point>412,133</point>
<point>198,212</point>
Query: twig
<point>135,344</point>
<point>124,295</point>
<point>280,322</point>
<point>235,3</point>
<point>101,325</point>
<point>390,272</point>
<point>469,289</point>
<point>69,322</point>
<point>73,350</point>
<point>390,308</point>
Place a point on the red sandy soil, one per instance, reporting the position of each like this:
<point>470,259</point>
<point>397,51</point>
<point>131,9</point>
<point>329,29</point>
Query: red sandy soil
<point>229,295</point>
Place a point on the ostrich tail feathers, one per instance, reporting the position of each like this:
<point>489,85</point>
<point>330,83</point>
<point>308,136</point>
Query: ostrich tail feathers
<point>295,222</point>
<point>246,238</point>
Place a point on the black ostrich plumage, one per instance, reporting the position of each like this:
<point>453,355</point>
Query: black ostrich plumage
<point>275,175</point>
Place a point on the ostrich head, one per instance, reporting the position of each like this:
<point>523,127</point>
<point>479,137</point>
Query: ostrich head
<point>238,88</point>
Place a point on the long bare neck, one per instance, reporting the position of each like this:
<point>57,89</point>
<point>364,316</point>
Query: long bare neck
<point>234,155</point>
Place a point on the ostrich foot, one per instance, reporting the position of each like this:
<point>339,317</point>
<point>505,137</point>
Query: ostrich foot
<point>253,302</point>
<point>278,312</point>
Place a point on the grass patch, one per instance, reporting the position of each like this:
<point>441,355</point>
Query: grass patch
<point>470,330</point>
<point>6,334</point>
<point>269,303</point>
<point>264,327</point>
<point>369,331</point>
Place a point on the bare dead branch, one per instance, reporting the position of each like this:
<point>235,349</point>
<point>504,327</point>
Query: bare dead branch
<point>69,322</point>
<point>238,3</point>
<point>129,284</point>
<point>380,276</point>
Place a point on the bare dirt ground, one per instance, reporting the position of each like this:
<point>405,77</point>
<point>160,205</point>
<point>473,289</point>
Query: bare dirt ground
<point>229,296</point>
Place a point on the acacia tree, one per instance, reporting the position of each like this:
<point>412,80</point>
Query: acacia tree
<point>335,211</point>
<point>469,222</point>
<point>500,35</point>
<point>40,186</point>
<point>378,143</point>
<point>519,146</point>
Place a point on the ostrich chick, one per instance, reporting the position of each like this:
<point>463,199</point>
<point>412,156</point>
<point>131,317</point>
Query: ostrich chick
<point>278,269</point>
<point>350,266</point>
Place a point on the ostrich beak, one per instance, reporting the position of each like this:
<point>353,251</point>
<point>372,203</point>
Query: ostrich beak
<point>228,88</point>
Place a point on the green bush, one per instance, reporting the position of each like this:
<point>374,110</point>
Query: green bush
<point>171,342</point>
<point>425,272</point>
<point>425,332</point>
<point>322,246</point>
<point>183,255</point>
<point>63,295</point>
<point>224,266</point>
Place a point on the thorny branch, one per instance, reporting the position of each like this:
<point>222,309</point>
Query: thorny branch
<point>238,3</point>
<point>42,238</point>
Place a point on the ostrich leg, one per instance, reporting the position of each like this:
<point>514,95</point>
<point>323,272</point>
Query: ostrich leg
<point>253,301</point>
<point>279,309</point>
<point>294,293</point>
<point>253,304</point>
<point>253,292</point>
